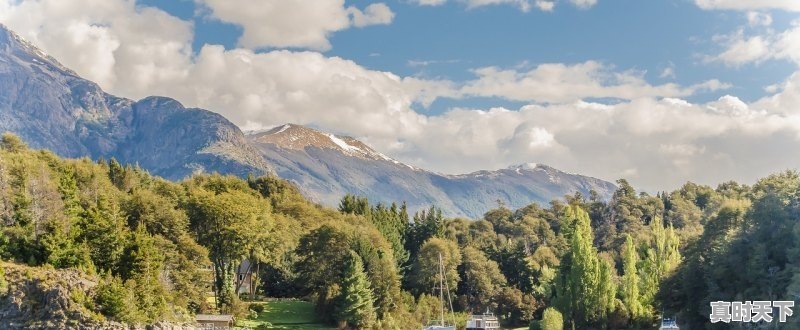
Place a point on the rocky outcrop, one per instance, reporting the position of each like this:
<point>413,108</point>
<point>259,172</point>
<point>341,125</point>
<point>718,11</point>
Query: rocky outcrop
<point>45,298</point>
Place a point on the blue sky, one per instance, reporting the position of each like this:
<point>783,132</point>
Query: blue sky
<point>659,92</point>
<point>448,41</point>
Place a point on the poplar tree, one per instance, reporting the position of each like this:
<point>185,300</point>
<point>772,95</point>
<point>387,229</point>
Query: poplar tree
<point>579,293</point>
<point>629,291</point>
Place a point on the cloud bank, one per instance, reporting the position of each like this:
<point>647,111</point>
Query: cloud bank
<point>649,134</point>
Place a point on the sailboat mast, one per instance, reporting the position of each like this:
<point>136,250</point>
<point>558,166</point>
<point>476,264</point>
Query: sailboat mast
<point>441,288</point>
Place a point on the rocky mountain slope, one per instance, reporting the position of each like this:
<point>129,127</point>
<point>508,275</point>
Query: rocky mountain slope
<point>326,166</point>
<point>52,107</point>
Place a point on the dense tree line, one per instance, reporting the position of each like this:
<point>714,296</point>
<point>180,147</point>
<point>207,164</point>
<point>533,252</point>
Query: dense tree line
<point>161,248</point>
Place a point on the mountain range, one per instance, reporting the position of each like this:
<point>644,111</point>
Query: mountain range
<point>52,107</point>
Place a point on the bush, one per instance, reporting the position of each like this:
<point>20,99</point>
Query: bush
<point>115,301</point>
<point>258,308</point>
<point>552,320</point>
<point>3,283</point>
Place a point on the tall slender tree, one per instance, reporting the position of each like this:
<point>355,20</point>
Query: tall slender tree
<point>354,306</point>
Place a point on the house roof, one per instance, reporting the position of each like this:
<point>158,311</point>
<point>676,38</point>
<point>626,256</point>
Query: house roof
<point>211,317</point>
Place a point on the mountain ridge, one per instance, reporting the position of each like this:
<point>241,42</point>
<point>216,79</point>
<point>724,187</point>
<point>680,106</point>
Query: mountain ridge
<point>326,166</point>
<point>52,107</point>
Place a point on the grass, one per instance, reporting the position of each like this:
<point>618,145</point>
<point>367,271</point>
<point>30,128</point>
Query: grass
<point>291,315</point>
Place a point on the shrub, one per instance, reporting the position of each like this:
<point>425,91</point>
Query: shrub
<point>552,320</point>
<point>3,283</point>
<point>258,308</point>
<point>115,301</point>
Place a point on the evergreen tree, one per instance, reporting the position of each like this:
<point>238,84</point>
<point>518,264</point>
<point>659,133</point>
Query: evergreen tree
<point>352,204</point>
<point>355,302</point>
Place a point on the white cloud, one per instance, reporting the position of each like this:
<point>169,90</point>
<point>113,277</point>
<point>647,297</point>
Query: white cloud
<point>790,5</point>
<point>740,49</point>
<point>545,5</point>
<point>114,43</point>
<point>373,14</point>
<point>558,83</point>
<point>291,23</point>
<point>651,135</point>
<point>584,4</point>
<point>430,2</point>
<point>755,18</point>
<point>668,72</point>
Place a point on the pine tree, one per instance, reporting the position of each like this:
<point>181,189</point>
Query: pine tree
<point>355,303</point>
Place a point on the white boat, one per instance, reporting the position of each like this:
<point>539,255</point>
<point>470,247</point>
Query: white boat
<point>485,321</point>
<point>669,324</point>
<point>441,324</point>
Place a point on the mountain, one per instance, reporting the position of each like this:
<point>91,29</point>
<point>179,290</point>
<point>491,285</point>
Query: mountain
<point>326,166</point>
<point>51,107</point>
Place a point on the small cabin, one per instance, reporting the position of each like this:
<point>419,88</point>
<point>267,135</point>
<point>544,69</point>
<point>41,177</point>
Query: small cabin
<point>486,321</point>
<point>244,278</point>
<point>214,322</point>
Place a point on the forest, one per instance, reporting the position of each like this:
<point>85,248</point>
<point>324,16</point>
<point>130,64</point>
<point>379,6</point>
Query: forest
<point>163,248</point>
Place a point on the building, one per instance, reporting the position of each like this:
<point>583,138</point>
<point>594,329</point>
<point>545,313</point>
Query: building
<point>214,322</point>
<point>486,321</point>
<point>245,278</point>
<point>668,324</point>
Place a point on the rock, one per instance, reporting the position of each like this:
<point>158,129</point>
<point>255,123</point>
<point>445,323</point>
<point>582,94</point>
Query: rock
<point>44,298</point>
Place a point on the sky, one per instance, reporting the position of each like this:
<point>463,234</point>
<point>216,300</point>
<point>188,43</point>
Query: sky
<point>658,92</point>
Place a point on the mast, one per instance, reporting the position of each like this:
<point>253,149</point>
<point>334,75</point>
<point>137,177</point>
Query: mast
<point>441,289</point>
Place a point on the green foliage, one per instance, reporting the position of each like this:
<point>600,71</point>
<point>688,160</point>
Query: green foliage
<point>482,279</point>
<point>233,223</point>
<point>629,290</point>
<point>3,282</point>
<point>354,306</point>
<point>551,320</point>
<point>115,301</point>
<point>12,143</point>
<point>580,292</point>
<point>425,272</point>
<point>352,204</point>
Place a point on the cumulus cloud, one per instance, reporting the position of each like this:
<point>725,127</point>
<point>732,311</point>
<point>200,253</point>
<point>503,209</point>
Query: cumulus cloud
<point>651,135</point>
<point>791,5</point>
<point>291,23</point>
<point>741,48</point>
<point>373,14</point>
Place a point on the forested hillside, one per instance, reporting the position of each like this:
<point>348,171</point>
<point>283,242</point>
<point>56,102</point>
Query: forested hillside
<point>161,250</point>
